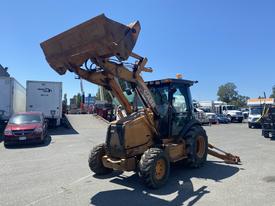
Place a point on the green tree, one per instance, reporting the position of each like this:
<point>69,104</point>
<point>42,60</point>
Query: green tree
<point>64,104</point>
<point>97,95</point>
<point>106,95</point>
<point>227,92</point>
<point>273,92</point>
<point>78,100</point>
<point>65,100</point>
<point>240,101</point>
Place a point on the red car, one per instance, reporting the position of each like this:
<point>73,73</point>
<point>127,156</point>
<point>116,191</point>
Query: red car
<point>26,127</point>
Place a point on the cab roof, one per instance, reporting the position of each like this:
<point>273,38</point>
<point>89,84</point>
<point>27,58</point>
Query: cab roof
<point>170,80</point>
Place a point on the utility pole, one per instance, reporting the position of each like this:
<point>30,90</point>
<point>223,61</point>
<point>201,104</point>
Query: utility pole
<point>101,93</point>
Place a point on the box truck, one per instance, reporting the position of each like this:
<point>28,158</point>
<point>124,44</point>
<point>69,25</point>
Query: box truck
<point>46,97</point>
<point>206,106</point>
<point>12,98</point>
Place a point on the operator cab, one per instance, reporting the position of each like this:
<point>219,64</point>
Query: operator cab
<point>174,103</point>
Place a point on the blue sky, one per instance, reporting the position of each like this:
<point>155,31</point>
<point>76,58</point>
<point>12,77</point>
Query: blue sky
<point>214,42</point>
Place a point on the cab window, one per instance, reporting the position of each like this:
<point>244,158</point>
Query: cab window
<point>160,95</point>
<point>179,103</point>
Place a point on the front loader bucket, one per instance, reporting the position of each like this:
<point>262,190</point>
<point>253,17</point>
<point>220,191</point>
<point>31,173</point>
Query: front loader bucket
<point>98,37</point>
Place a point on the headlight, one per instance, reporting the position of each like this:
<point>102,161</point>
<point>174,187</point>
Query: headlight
<point>255,119</point>
<point>7,132</point>
<point>38,130</point>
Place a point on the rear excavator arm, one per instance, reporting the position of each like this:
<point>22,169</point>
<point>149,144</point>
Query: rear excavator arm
<point>227,157</point>
<point>99,40</point>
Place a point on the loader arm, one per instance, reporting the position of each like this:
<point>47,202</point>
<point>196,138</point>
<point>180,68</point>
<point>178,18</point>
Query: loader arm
<point>99,40</point>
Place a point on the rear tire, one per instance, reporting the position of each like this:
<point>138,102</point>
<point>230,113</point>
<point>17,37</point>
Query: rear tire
<point>154,168</point>
<point>229,116</point>
<point>266,134</point>
<point>249,125</point>
<point>197,146</point>
<point>95,160</point>
<point>6,145</point>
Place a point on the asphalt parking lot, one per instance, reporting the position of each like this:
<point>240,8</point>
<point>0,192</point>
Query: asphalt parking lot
<point>57,173</point>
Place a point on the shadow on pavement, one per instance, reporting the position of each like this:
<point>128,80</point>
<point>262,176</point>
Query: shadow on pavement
<point>179,182</point>
<point>62,131</point>
<point>115,173</point>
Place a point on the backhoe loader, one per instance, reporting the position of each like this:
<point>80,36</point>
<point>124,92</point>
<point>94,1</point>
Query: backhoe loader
<point>155,129</point>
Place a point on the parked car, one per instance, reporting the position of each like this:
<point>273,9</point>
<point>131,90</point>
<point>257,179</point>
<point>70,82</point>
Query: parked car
<point>213,119</point>
<point>223,119</point>
<point>105,110</point>
<point>255,114</point>
<point>26,127</point>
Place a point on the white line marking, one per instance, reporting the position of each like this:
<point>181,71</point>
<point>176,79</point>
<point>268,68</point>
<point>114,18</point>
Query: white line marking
<point>44,198</point>
<point>64,188</point>
<point>80,179</point>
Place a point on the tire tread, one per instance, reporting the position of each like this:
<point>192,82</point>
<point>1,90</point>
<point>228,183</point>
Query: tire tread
<point>95,162</point>
<point>146,166</point>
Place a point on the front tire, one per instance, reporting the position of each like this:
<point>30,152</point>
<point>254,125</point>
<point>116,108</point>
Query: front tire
<point>44,139</point>
<point>197,146</point>
<point>95,160</point>
<point>154,168</point>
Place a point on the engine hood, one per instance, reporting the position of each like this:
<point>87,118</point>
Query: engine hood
<point>254,116</point>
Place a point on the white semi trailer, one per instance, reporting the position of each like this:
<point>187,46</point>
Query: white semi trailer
<point>12,98</point>
<point>46,97</point>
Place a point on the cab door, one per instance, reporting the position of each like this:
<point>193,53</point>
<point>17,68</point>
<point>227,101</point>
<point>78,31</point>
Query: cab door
<point>181,109</point>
